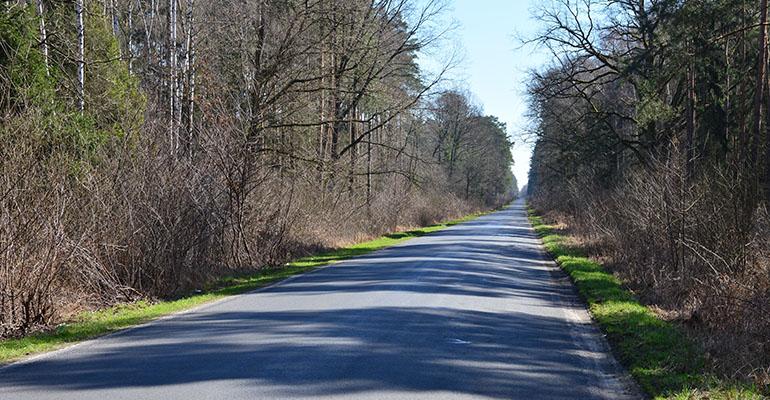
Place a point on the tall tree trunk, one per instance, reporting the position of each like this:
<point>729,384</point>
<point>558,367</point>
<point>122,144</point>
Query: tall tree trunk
<point>189,69</point>
<point>766,180</point>
<point>453,155</point>
<point>368,165</point>
<point>114,18</point>
<point>467,184</point>
<point>81,55</point>
<point>172,66</point>
<point>353,151</point>
<point>130,37</point>
<point>740,150</point>
<point>728,99</point>
<point>253,138</point>
<point>256,94</point>
<point>689,146</point>
<point>148,22</point>
<point>759,89</point>
<point>335,102</point>
<point>321,153</point>
<point>43,35</point>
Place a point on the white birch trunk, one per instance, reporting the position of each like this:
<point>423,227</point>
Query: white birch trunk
<point>43,35</point>
<point>114,18</point>
<point>190,73</point>
<point>130,39</point>
<point>81,55</point>
<point>172,63</point>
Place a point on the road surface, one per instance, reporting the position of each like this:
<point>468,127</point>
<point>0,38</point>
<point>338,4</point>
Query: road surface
<point>474,311</point>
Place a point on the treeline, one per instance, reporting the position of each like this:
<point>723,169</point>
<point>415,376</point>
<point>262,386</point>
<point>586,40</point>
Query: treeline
<point>148,148</point>
<point>653,137</point>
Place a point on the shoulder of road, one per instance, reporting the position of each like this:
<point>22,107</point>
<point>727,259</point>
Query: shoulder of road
<point>92,324</point>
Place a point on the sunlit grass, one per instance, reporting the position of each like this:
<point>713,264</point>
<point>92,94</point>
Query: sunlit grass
<point>92,324</point>
<point>665,363</point>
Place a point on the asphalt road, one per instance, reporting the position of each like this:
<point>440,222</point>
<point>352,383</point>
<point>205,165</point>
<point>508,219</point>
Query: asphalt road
<point>473,311</point>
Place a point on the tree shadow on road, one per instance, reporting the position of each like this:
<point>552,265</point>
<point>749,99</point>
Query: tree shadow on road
<point>355,349</point>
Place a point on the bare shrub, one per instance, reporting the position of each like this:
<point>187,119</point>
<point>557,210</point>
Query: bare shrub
<point>684,246</point>
<point>37,244</point>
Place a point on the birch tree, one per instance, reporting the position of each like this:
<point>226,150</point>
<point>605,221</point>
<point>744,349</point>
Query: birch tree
<point>81,54</point>
<point>189,74</point>
<point>173,94</point>
<point>43,34</point>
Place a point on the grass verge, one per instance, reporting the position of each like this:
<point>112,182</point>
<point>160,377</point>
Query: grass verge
<point>92,324</point>
<point>662,359</point>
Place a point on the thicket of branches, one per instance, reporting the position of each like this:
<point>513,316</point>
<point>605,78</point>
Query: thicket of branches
<point>149,147</point>
<point>653,136</point>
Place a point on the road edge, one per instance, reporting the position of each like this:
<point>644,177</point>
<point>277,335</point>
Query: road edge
<point>67,347</point>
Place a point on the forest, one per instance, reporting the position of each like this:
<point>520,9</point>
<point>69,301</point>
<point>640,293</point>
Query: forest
<point>652,144</point>
<point>151,147</point>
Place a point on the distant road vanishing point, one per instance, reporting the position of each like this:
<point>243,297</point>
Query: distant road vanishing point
<point>471,312</point>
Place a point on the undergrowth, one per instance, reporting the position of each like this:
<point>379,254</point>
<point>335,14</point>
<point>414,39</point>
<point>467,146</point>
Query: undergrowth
<point>661,358</point>
<point>96,323</point>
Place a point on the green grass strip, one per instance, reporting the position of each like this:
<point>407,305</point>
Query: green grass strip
<point>662,359</point>
<point>96,323</point>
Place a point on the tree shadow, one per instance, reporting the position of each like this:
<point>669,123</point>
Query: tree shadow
<point>322,353</point>
<point>455,312</point>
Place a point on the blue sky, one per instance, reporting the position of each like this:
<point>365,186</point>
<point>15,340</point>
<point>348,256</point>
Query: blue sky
<point>494,65</point>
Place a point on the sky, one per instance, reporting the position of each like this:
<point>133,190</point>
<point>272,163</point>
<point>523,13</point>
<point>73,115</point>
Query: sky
<point>494,62</point>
